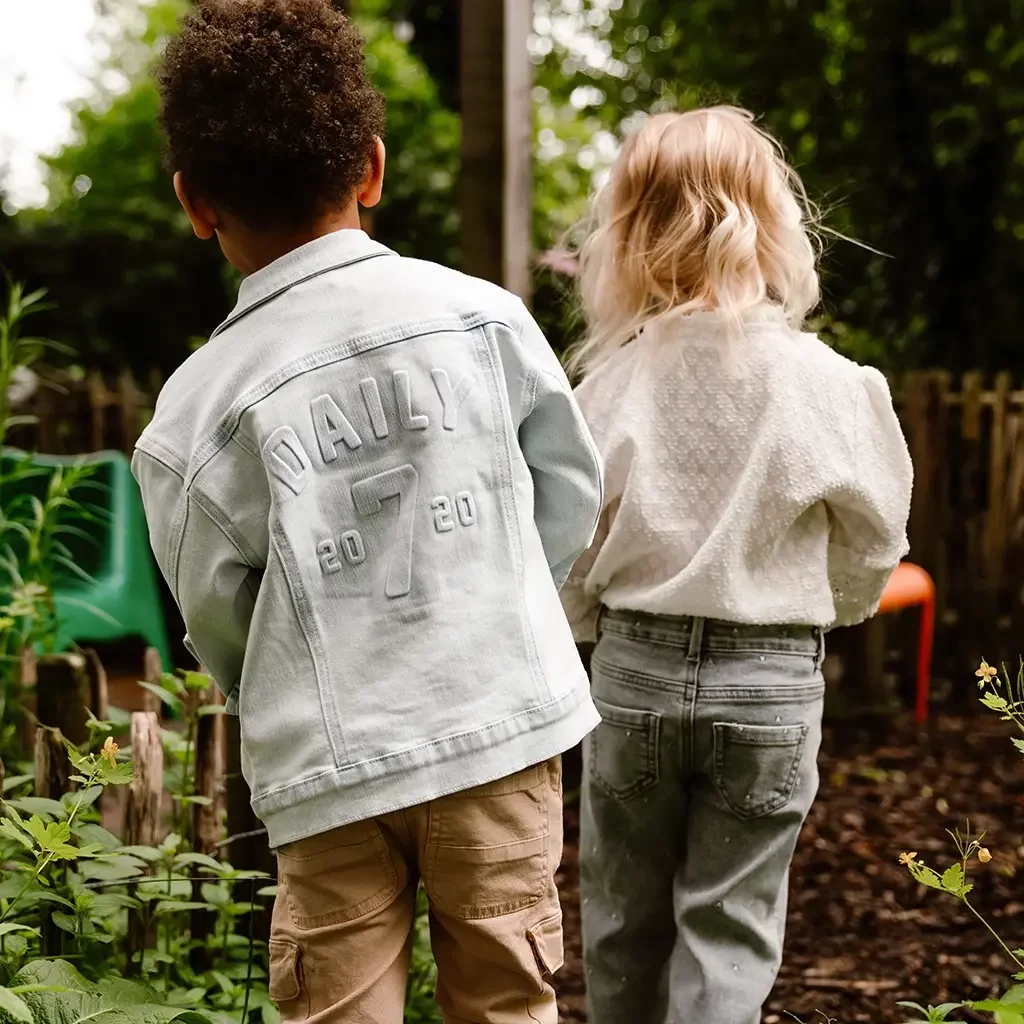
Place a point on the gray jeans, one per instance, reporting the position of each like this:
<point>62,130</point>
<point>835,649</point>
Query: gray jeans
<point>696,785</point>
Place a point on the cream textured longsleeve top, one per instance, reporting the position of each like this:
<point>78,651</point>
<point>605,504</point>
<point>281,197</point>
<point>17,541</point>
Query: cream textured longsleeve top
<point>757,478</point>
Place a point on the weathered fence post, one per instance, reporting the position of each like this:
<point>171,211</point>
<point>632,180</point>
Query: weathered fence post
<point>51,764</point>
<point>248,848</point>
<point>209,775</point>
<point>62,695</point>
<point>96,674</point>
<point>995,524</point>
<point>142,816</point>
<point>207,819</point>
<point>153,671</point>
<point>962,598</point>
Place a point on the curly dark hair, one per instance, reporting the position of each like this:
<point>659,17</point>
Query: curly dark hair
<point>267,108</point>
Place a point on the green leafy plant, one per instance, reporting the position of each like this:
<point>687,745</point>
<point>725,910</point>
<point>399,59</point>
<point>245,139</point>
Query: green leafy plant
<point>184,693</point>
<point>54,992</point>
<point>35,528</point>
<point>63,875</point>
<point>1004,695</point>
<point>420,1007</point>
<point>932,1014</point>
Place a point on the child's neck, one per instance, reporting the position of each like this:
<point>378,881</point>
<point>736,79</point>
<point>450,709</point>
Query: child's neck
<point>250,251</point>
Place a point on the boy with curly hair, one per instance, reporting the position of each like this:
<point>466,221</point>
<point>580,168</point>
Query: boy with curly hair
<point>365,492</point>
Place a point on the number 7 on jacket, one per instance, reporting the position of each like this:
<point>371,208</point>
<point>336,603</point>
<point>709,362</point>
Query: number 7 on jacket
<point>369,496</point>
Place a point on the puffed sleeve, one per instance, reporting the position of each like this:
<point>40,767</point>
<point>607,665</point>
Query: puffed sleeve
<point>869,512</point>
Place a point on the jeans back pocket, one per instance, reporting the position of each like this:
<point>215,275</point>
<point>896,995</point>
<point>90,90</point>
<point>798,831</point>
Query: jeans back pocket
<point>623,757</point>
<point>757,766</point>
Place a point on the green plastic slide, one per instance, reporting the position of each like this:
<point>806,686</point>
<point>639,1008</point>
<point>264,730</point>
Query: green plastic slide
<point>121,597</point>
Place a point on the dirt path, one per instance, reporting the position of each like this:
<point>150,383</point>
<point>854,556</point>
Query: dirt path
<point>861,935</point>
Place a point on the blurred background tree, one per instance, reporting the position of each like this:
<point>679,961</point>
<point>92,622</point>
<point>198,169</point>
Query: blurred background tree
<point>906,120</point>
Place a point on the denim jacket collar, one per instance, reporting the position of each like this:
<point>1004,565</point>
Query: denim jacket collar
<point>329,252</point>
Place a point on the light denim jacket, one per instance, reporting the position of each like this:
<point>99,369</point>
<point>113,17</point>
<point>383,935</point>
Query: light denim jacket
<point>364,493</point>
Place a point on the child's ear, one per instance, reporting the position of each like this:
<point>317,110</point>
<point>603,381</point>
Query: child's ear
<point>373,183</point>
<point>200,213</point>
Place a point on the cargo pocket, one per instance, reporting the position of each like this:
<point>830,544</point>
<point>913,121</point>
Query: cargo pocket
<point>285,979</point>
<point>487,848</point>
<point>546,942</point>
<point>337,876</point>
<point>757,766</point>
<point>624,751</point>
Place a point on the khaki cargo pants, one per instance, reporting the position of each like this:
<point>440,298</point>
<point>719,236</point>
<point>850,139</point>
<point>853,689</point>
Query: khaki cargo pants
<point>343,920</point>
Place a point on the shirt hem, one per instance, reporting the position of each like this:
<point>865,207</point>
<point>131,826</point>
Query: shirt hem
<point>347,795</point>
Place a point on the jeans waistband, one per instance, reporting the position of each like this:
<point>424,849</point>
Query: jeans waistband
<point>712,634</point>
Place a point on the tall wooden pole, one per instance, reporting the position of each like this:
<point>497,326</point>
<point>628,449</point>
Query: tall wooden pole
<point>497,139</point>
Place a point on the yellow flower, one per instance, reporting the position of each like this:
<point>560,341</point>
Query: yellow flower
<point>907,858</point>
<point>984,855</point>
<point>986,673</point>
<point>109,751</point>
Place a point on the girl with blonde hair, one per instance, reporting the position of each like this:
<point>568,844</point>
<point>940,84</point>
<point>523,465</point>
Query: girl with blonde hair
<point>757,494</point>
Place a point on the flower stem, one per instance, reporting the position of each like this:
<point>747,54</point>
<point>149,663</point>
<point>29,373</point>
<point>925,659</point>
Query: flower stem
<point>1009,952</point>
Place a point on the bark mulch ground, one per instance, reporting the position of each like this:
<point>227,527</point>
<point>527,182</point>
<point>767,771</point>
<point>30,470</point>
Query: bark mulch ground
<point>861,934</point>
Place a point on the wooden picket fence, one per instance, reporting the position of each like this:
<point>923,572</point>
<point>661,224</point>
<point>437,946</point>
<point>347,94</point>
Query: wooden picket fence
<point>89,412</point>
<point>967,516</point>
<point>62,689</point>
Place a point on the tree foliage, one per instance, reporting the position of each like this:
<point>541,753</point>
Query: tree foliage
<point>906,120</point>
<point>131,286</point>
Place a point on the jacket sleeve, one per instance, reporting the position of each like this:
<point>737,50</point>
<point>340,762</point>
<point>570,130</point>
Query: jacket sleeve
<point>562,457</point>
<point>582,606</point>
<point>869,516</point>
<point>214,586</point>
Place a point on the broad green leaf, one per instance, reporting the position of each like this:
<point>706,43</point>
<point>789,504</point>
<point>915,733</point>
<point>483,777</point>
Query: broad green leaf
<point>108,903</point>
<point>925,875</point>
<point>11,830</point>
<point>52,838</point>
<point>42,896</point>
<point>13,1004</point>
<point>995,702</point>
<point>15,781</point>
<point>173,702</point>
<point>211,709</point>
<point>109,1001</point>
<point>165,907</point>
<point>197,801</point>
<point>119,774</point>
<point>16,946</point>
<point>197,682</point>
<point>198,860</point>
<point>82,799</point>
<point>7,927</point>
<point>146,853</point>
<point>66,922</point>
<point>1009,1009</point>
<point>93,835</point>
<point>41,806</point>
<point>216,895</point>
<point>112,868</point>
<point>953,879</point>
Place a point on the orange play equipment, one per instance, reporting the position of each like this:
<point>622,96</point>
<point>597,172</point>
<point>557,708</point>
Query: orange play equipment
<point>911,586</point>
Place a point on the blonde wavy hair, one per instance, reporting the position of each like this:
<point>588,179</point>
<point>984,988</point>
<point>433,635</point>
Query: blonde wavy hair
<point>701,212</point>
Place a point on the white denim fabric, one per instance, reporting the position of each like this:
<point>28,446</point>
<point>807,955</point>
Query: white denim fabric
<point>365,492</point>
